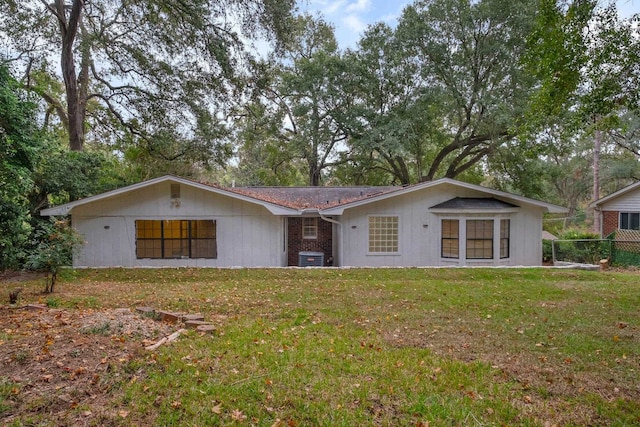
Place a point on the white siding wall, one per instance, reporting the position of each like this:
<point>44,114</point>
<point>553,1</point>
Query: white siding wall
<point>629,202</point>
<point>247,234</point>
<point>420,245</point>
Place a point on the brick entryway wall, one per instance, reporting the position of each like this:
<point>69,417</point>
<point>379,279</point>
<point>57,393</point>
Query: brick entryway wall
<point>296,244</point>
<point>609,222</point>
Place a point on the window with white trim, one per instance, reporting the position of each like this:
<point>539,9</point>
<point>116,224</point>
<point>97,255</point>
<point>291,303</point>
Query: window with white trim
<point>309,228</point>
<point>166,239</point>
<point>450,247</point>
<point>383,234</point>
<point>479,239</point>
<point>505,238</point>
<point>629,221</point>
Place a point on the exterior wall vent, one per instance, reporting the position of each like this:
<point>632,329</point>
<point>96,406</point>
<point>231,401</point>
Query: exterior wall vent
<point>310,259</point>
<point>175,191</point>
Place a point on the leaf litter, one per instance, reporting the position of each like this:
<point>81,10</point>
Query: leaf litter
<point>63,363</point>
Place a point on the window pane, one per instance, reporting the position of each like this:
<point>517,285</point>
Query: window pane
<point>450,245</point>
<point>149,248</point>
<point>309,228</point>
<point>176,248</point>
<point>479,239</point>
<point>203,239</point>
<point>148,239</point>
<point>176,229</point>
<point>148,229</point>
<point>624,221</point>
<point>203,248</point>
<point>505,235</point>
<point>383,234</point>
<point>203,229</point>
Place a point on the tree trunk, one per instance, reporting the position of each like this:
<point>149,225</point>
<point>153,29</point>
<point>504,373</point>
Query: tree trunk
<point>76,108</point>
<point>596,178</point>
<point>314,177</point>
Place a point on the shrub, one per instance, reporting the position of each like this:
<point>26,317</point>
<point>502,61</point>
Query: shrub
<point>54,248</point>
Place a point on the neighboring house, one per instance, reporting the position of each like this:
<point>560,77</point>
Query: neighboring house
<point>171,221</point>
<point>619,210</point>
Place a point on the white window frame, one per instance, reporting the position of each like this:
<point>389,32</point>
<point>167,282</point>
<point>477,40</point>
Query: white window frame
<point>467,240</point>
<point>380,245</point>
<point>442,238</point>
<point>628,213</point>
<point>310,230</point>
<point>506,238</point>
<point>462,237</point>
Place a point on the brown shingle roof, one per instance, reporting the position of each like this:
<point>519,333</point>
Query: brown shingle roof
<point>311,197</point>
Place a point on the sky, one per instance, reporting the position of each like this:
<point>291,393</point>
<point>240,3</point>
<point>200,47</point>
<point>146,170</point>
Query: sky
<point>351,17</point>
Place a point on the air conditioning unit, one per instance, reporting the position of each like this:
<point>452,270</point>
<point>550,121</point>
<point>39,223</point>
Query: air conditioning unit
<point>310,259</point>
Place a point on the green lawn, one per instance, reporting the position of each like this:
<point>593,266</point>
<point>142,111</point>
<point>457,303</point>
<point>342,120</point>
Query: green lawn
<point>334,347</point>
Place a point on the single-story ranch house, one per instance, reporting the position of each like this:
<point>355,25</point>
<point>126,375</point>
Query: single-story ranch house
<point>619,210</point>
<point>172,221</point>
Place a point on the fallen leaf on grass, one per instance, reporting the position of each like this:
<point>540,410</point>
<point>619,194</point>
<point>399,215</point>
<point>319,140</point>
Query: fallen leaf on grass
<point>123,413</point>
<point>237,415</point>
<point>217,409</point>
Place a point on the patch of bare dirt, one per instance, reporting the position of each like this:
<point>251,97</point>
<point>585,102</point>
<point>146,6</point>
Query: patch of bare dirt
<point>17,276</point>
<point>63,364</point>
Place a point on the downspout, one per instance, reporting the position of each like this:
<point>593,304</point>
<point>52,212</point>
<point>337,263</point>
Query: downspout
<point>333,221</point>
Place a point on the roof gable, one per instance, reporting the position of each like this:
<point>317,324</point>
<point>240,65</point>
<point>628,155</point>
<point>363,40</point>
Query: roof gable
<point>623,191</point>
<point>65,209</point>
<point>512,198</point>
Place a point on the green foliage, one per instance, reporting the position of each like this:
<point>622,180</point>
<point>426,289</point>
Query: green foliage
<point>19,150</point>
<point>53,302</point>
<point>581,246</point>
<point>301,103</point>
<point>54,248</point>
<point>167,75</point>
<point>556,54</point>
<point>578,234</point>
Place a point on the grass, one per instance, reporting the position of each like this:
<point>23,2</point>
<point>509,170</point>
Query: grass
<point>340,347</point>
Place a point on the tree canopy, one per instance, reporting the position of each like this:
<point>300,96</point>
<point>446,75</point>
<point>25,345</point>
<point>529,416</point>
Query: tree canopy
<point>539,99</point>
<point>151,73</point>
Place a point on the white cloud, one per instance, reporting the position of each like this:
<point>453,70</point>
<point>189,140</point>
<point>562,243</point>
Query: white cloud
<point>354,23</point>
<point>359,6</point>
<point>327,7</point>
